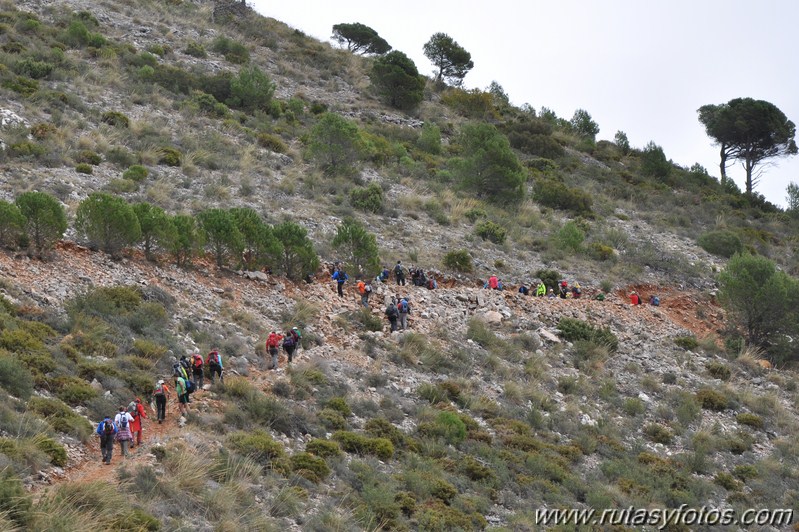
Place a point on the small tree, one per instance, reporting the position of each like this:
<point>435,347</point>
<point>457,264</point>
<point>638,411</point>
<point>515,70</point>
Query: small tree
<point>186,238</point>
<point>107,222</point>
<point>622,142</point>
<point>452,60</point>
<point>654,162</point>
<point>760,299</point>
<point>45,220</point>
<point>368,198</point>
<point>584,125</point>
<point>261,247</point>
<point>221,234</point>
<point>360,39</point>
<point>155,227</point>
<point>792,198</point>
<point>357,246</point>
<point>335,144</point>
<point>489,167</point>
<point>299,257</point>
<point>430,139</point>
<point>397,80</point>
<point>12,224</point>
<point>251,90</point>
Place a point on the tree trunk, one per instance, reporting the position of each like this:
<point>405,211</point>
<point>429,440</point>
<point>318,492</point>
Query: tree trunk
<point>749,165</point>
<point>723,164</point>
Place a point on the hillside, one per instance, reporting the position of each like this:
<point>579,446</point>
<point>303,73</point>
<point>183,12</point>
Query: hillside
<point>493,404</point>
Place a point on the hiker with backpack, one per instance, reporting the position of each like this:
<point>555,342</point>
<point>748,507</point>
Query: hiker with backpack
<point>106,430</point>
<point>215,367</point>
<point>365,289</point>
<point>432,284</point>
<point>123,435</point>
<point>403,308</point>
<point>635,299</point>
<point>272,347</point>
<point>341,277</point>
<point>197,370</point>
<point>493,283</point>
<point>161,395</point>
<point>654,300</point>
<point>138,413</point>
<point>523,290</point>
<point>178,370</point>
<point>182,391</point>
<point>564,289</point>
<point>290,342</point>
<point>392,314</point>
<point>399,273</point>
<point>576,291</point>
<point>540,289</point>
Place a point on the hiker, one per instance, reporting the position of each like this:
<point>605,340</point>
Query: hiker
<point>160,394</point>
<point>308,278</point>
<point>551,294</point>
<point>365,289</point>
<point>178,370</point>
<point>106,430</point>
<point>654,300</point>
<point>197,370</point>
<point>136,425</point>
<point>290,342</point>
<point>540,289</point>
<point>124,436</point>
<point>576,291</point>
<point>403,308</point>
<point>493,283</point>
<point>635,299</point>
<point>392,313</point>
<point>272,347</point>
<point>384,275</point>
<point>523,290</point>
<point>432,284</point>
<point>399,273</point>
<point>181,390</point>
<point>564,289</point>
<point>340,276</point>
<point>214,361</point>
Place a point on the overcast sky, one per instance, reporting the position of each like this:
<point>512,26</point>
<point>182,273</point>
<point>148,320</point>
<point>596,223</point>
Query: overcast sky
<point>642,67</point>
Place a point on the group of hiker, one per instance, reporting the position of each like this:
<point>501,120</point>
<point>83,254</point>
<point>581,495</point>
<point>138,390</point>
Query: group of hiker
<point>126,427</point>
<point>397,312</point>
<point>290,341</point>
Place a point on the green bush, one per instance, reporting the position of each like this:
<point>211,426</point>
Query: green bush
<point>84,168</point>
<point>195,49</point>
<point>340,405</point>
<point>369,199</point>
<point>718,370</point>
<point>233,51</point>
<point>382,428</point>
<point>169,156</point>
<point>573,330</point>
<point>688,343</point>
<point>722,243</point>
<point>60,417</point>
<point>15,377</point>
<point>554,194</point>
<point>633,406</point>
<point>458,260</point>
<point>570,237</point>
<point>726,481</point>
<point>116,119</point>
<point>658,433</point>
<point>272,143</point>
<point>136,173</point>
<point>712,399</point>
<point>323,448</point>
<point>447,426</point>
<point>13,498</point>
<point>750,420</point>
<point>600,252</point>
<point>26,150</point>
<point>53,449</point>
<point>74,391</point>
<point>257,445</point>
<point>488,230</point>
<point>24,86</point>
<point>310,467</point>
<point>352,442</point>
<point>550,278</point>
<point>331,419</point>
<point>32,68</point>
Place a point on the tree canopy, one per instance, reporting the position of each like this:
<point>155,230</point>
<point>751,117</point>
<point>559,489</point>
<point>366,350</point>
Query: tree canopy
<point>749,131</point>
<point>45,220</point>
<point>221,234</point>
<point>299,257</point>
<point>335,144</point>
<point>397,80</point>
<point>360,39</point>
<point>108,222</point>
<point>452,60</point>
<point>357,246</point>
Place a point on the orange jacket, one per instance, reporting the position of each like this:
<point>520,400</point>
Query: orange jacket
<point>361,287</point>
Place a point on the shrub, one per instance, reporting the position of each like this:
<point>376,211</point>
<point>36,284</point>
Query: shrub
<point>15,378</point>
<point>233,51</point>
<point>718,370</point>
<point>712,399</point>
<point>257,445</point>
<point>570,237</point>
<point>458,260</point>
<point>136,173</point>
<point>600,252</point>
<point>26,150</point>
<point>750,420</point>
<point>53,449</point>
<point>357,443</point>
<point>24,86</point>
<point>32,68</point>
<point>310,467</point>
<point>84,168</point>
<point>488,230</point>
<point>722,243</point>
<point>633,406</point>
<point>332,419</point>
<point>115,118</point>
<point>552,193</point>
<point>573,329</point>
<point>369,199</point>
<point>251,90</point>
<point>169,156</point>
<point>195,49</point>
<point>323,448</point>
<point>43,130</point>
<point>75,391</point>
<point>726,481</point>
<point>340,405</point>
<point>108,222</point>
<point>658,433</point>
<point>447,426</point>
<point>686,342</point>
<point>60,417</point>
<point>272,143</point>
<point>550,278</point>
<point>14,500</point>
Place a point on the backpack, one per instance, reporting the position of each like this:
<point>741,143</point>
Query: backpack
<point>108,428</point>
<point>391,311</point>
<point>214,358</point>
<point>655,301</point>
<point>398,270</point>
<point>184,363</point>
<point>190,387</point>
<point>368,288</point>
<point>403,307</point>
<point>159,390</point>
<point>123,421</point>
<point>198,361</point>
<point>132,408</point>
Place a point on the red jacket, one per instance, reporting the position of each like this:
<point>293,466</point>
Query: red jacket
<point>493,282</point>
<point>635,299</point>
<point>273,340</point>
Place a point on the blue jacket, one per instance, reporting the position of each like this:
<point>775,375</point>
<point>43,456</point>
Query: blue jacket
<point>340,276</point>
<point>101,426</point>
